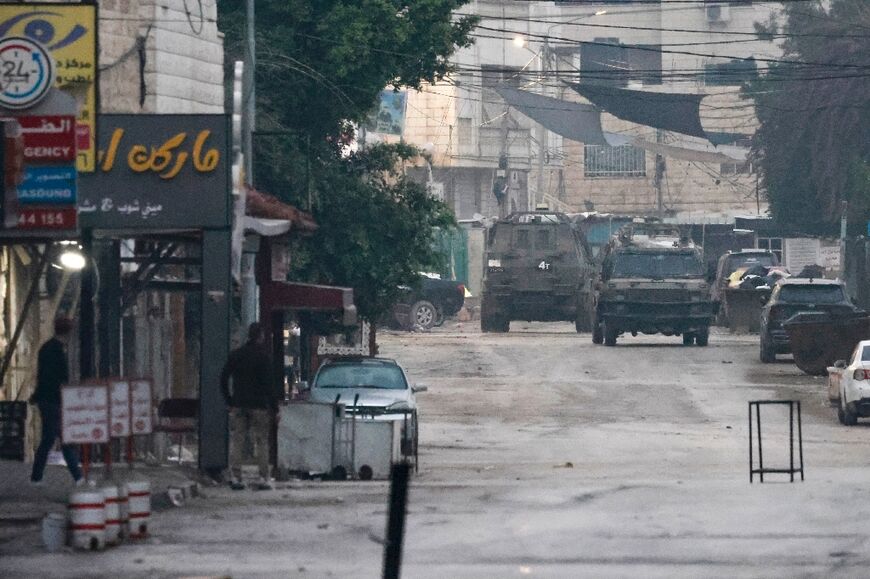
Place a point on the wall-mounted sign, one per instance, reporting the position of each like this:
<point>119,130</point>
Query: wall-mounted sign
<point>27,73</point>
<point>48,138</point>
<point>158,171</point>
<point>68,33</point>
<point>60,217</point>
<point>85,413</point>
<point>49,184</point>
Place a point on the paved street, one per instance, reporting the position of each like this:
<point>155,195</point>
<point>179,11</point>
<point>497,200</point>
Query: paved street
<point>545,456</point>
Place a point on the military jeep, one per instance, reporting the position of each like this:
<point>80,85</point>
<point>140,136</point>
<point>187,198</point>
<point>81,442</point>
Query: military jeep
<point>652,281</point>
<point>538,268</point>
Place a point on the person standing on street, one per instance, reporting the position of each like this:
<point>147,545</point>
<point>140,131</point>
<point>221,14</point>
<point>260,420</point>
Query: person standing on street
<point>52,371</point>
<point>253,400</point>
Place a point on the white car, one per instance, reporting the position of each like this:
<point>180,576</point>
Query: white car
<point>849,381</point>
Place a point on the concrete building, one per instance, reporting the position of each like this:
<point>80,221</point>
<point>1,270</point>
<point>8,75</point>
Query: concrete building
<point>675,47</point>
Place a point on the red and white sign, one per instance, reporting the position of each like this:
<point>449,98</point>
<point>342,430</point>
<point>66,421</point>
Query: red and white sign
<point>119,409</point>
<point>57,217</point>
<point>85,412</point>
<point>48,139</point>
<point>141,407</point>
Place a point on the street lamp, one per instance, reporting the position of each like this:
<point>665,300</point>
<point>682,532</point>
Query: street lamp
<point>72,259</point>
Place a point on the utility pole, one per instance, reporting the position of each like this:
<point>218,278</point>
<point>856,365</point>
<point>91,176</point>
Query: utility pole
<point>249,91</point>
<point>659,177</point>
<point>541,131</point>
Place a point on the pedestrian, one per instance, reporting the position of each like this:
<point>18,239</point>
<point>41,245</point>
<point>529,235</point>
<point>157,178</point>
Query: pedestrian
<point>52,371</point>
<point>253,401</point>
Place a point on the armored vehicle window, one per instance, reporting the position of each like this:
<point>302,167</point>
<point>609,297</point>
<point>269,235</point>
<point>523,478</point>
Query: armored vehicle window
<point>543,240</point>
<point>811,294</point>
<point>657,265</point>
<point>522,239</point>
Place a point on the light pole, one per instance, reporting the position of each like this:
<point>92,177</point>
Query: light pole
<point>541,133</point>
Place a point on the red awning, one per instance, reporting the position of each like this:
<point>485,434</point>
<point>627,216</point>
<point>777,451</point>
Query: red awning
<point>267,206</point>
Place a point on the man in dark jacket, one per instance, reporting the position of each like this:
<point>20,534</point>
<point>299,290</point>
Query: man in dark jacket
<point>52,370</point>
<point>253,400</point>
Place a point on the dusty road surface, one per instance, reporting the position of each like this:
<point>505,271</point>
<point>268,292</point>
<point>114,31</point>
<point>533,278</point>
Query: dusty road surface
<point>546,456</point>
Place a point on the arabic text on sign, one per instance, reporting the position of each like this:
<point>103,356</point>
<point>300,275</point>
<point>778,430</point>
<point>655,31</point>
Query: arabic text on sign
<point>168,159</point>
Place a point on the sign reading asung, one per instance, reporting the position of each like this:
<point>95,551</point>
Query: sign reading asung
<point>158,171</point>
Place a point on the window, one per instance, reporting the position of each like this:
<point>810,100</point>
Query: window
<point>771,244</point>
<point>811,294</point>
<point>733,72</point>
<point>463,131</point>
<point>543,239</point>
<point>737,167</point>
<point>605,162</point>
<point>607,61</point>
<point>657,266</point>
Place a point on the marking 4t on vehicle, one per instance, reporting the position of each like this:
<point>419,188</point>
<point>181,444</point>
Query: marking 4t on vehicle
<point>539,268</point>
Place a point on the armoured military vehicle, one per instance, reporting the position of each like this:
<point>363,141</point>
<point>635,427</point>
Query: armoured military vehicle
<point>539,268</point>
<point>652,281</point>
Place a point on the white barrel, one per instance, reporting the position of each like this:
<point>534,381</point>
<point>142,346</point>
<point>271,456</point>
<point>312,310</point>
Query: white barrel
<point>113,514</point>
<point>54,531</point>
<point>87,519</point>
<point>139,501</point>
<point>124,509</point>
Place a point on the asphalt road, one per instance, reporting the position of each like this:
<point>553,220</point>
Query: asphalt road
<point>543,455</point>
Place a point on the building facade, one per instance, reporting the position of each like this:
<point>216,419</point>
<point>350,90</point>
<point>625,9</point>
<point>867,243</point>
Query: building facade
<point>480,145</point>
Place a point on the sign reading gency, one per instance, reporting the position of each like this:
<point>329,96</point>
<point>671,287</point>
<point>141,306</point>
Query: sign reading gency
<point>158,171</point>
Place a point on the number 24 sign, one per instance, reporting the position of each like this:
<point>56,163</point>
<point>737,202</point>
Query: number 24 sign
<point>167,159</point>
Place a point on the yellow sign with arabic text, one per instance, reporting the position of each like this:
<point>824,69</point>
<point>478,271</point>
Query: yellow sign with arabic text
<point>69,34</point>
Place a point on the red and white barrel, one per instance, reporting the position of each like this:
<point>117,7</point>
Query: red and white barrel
<point>113,514</point>
<point>87,520</point>
<point>139,501</point>
<point>124,509</point>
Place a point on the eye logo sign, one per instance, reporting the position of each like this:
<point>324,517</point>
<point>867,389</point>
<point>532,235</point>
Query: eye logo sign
<point>26,73</point>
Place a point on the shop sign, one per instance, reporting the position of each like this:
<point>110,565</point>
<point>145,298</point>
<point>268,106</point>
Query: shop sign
<point>158,171</point>
<point>48,139</point>
<point>32,217</point>
<point>68,33</point>
<point>49,185</point>
<point>85,414</point>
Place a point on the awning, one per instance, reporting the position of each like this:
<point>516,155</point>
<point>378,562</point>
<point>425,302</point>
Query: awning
<point>678,112</point>
<point>277,295</point>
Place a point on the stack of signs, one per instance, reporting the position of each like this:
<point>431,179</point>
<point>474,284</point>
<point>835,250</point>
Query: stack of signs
<point>141,407</point>
<point>47,197</point>
<point>85,414</point>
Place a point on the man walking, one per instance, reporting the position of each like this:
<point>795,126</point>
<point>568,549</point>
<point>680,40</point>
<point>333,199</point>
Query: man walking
<point>253,400</point>
<point>52,370</point>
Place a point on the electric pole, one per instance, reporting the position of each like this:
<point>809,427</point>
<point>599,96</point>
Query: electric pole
<point>541,131</point>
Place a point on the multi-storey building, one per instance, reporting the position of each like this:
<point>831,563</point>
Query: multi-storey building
<point>671,47</point>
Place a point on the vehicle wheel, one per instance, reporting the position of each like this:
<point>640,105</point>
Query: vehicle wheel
<point>767,355</point>
<point>850,417</point>
<point>597,331</point>
<point>702,338</point>
<point>688,339</point>
<point>610,334</point>
<point>439,317</point>
<point>841,416</point>
<point>423,314</point>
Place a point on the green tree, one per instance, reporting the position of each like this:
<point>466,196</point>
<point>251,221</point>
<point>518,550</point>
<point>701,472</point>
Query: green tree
<point>321,65</point>
<point>814,108</point>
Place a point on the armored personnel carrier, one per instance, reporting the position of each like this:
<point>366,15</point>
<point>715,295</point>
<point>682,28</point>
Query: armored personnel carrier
<point>539,268</point>
<point>652,281</point>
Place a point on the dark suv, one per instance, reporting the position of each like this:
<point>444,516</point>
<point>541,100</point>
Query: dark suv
<point>428,303</point>
<point>793,296</point>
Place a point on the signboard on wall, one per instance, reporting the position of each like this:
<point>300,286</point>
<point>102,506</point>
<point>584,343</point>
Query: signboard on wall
<point>801,252</point>
<point>158,171</point>
<point>85,413</point>
<point>68,34</point>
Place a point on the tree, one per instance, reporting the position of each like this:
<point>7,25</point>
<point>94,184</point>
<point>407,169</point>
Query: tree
<point>321,66</point>
<point>812,148</point>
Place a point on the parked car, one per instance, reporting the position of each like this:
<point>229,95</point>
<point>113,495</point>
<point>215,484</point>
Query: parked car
<point>739,307</point>
<point>792,296</point>
<point>849,385</point>
<point>375,386</point>
<point>428,303</point>
<point>734,260</point>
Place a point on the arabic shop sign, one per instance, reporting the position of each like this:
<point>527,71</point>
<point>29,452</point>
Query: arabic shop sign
<point>48,139</point>
<point>158,171</point>
<point>68,33</point>
<point>48,185</point>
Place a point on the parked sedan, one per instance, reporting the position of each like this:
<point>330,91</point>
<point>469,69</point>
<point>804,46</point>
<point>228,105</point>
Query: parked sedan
<point>852,379</point>
<point>792,296</point>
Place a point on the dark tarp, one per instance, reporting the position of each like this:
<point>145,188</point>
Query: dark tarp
<point>575,121</point>
<point>668,111</point>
